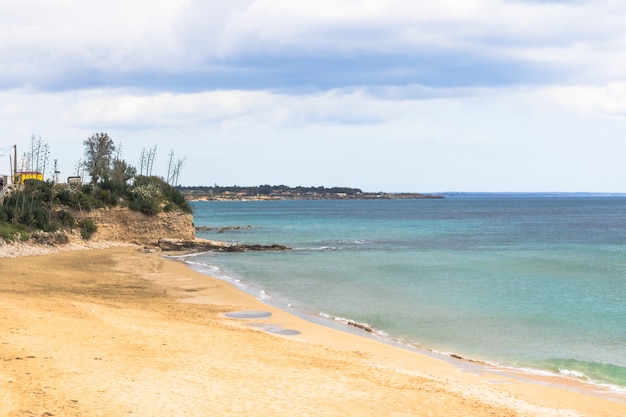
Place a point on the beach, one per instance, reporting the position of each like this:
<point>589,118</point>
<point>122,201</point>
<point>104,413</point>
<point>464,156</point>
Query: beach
<point>120,331</point>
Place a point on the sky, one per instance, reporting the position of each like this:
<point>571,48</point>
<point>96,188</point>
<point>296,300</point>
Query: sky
<point>382,95</point>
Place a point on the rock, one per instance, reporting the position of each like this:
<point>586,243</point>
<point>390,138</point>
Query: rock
<point>203,245</point>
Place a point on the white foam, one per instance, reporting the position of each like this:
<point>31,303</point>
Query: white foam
<point>573,374</point>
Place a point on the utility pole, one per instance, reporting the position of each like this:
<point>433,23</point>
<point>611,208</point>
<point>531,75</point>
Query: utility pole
<point>56,172</point>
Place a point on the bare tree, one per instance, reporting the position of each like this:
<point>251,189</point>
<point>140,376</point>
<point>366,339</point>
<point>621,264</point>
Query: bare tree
<point>146,160</point>
<point>25,162</point>
<point>45,157</point>
<point>170,167</point>
<point>34,151</point>
<point>99,149</point>
<point>151,156</point>
<point>173,169</point>
<point>38,155</point>
<point>142,161</point>
<point>79,169</point>
<point>176,172</point>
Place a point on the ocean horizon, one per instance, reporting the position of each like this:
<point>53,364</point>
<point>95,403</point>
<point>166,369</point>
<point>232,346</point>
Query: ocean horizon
<point>531,281</point>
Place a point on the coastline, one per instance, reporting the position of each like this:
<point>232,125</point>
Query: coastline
<point>568,380</point>
<point>116,330</point>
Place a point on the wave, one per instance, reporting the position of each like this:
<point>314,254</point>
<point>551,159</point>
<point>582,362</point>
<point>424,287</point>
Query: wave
<point>335,245</point>
<point>318,249</point>
<point>603,376</point>
<point>607,375</point>
<point>356,242</point>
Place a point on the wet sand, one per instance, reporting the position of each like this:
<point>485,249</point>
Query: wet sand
<point>120,332</point>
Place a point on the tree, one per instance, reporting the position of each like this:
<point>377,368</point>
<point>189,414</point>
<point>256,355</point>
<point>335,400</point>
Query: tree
<point>142,161</point>
<point>79,169</point>
<point>146,161</point>
<point>99,149</point>
<point>177,168</point>
<point>39,154</point>
<point>121,171</point>
<point>151,156</point>
<point>170,167</point>
<point>173,169</point>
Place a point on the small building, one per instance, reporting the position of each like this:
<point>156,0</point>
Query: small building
<point>74,180</point>
<point>20,177</point>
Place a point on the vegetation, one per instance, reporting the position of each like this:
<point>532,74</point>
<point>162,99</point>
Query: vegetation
<point>99,149</point>
<point>45,207</point>
<point>44,211</point>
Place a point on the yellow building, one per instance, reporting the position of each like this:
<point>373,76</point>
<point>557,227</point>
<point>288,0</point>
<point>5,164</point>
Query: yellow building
<point>20,177</point>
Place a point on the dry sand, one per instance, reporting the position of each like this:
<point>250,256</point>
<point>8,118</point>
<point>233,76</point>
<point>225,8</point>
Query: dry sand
<point>120,332</point>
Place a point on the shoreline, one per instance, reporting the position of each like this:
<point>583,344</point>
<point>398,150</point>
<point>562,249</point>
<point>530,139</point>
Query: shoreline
<point>160,328</point>
<point>567,380</point>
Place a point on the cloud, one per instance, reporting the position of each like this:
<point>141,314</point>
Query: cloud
<point>306,45</point>
<point>607,100</point>
<point>232,109</point>
<point>45,43</point>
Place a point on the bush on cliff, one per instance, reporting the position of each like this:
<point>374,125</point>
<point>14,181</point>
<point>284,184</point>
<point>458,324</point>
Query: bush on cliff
<point>43,206</point>
<point>151,195</point>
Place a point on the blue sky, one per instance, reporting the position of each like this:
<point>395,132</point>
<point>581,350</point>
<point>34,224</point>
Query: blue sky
<point>384,95</point>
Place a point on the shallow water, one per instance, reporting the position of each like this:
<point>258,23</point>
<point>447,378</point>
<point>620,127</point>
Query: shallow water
<point>531,282</point>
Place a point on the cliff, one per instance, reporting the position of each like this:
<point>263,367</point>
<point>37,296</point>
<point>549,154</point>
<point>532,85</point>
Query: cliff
<point>172,231</point>
<point>124,225</point>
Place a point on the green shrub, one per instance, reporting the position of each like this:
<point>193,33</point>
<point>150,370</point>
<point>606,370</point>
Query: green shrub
<point>114,186</point>
<point>8,232</point>
<point>154,188</point>
<point>175,196</point>
<point>74,198</point>
<point>65,218</point>
<point>147,206</point>
<point>40,190</point>
<point>107,197</point>
<point>40,219</point>
<point>87,228</point>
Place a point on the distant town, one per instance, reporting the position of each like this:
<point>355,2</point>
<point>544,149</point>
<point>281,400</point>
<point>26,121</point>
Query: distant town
<point>283,192</point>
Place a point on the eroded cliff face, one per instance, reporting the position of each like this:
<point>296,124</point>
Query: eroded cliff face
<point>124,225</point>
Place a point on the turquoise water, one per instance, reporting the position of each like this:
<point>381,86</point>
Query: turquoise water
<point>529,282</point>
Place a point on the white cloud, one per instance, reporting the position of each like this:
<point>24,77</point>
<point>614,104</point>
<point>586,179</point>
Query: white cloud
<point>40,39</point>
<point>57,42</point>
<point>125,109</point>
<point>607,100</point>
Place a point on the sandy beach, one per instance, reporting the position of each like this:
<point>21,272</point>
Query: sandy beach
<point>120,332</point>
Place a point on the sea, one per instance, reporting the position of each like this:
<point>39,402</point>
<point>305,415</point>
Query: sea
<point>533,282</point>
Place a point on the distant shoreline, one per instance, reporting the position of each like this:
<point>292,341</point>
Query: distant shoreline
<point>285,192</point>
<point>366,196</point>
